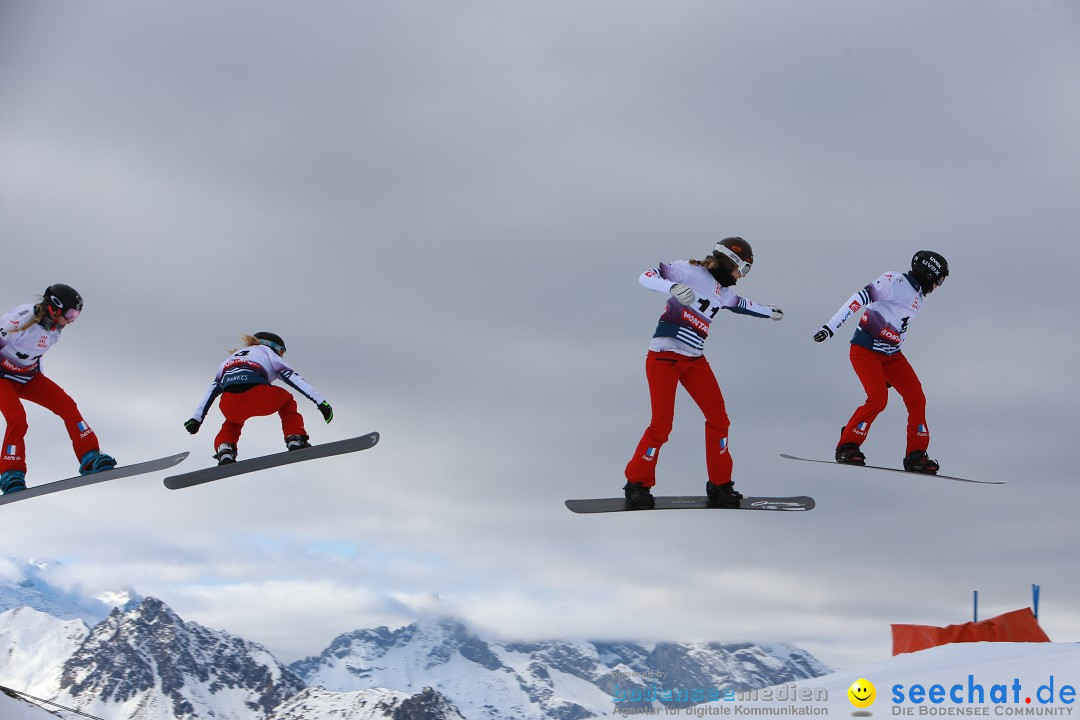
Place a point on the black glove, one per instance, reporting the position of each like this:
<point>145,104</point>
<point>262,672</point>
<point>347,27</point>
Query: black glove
<point>326,410</point>
<point>823,334</point>
<point>192,426</point>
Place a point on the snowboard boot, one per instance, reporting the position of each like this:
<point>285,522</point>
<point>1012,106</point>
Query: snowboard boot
<point>918,461</point>
<point>723,495</point>
<point>12,481</point>
<point>226,454</point>
<point>297,442</point>
<point>850,454</point>
<point>95,461</point>
<point>638,497</point>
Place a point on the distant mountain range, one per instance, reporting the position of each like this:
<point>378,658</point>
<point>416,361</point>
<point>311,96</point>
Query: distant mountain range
<point>143,662</point>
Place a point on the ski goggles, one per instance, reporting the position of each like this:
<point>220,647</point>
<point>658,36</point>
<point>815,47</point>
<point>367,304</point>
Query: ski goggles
<point>272,345</point>
<point>741,265</point>
<point>69,314</point>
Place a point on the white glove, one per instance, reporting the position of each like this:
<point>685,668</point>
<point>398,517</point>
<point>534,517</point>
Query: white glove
<point>823,334</point>
<point>683,294</point>
<point>777,313</point>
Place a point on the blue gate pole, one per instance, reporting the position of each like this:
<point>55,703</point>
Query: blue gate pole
<point>975,611</point>
<point>1035,598</point>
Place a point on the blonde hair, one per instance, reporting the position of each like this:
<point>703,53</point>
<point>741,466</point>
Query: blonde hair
<point>246,341</point>
<point>38,316</point>
<point>709,263</point>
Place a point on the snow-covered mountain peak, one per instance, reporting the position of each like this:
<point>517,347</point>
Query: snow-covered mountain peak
<point>147,657</point>
<point>491,679</point>
<point>125,599</point>
<point>33,583</point>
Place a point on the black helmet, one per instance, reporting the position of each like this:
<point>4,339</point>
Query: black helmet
<point>930,269</point>
<point>62,300</point>
<point>733,254</point>
<point>272,341</point>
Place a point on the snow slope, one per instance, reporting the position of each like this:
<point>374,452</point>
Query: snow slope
<point>33,646</point>
<point>12,709</point>
<point>374,704</point>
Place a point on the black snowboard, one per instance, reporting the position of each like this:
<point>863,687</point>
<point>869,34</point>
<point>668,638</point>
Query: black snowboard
<point>340,447</point>
<point>878,467</point>
<point>693,502</point>
<point>79,481</point>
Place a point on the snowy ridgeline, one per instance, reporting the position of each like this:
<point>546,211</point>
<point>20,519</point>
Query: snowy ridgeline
<point>144,662</point>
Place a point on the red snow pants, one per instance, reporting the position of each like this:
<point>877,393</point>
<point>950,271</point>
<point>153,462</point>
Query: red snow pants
<point>238,408</point>
<point>42,391</point>
<point>665,370</point>
<point>877,371</point>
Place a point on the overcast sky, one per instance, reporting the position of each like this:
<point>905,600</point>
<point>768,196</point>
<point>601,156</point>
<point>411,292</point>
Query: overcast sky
<point>444,208</point>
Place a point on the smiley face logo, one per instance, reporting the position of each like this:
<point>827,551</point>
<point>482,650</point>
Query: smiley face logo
<point>862,693</point>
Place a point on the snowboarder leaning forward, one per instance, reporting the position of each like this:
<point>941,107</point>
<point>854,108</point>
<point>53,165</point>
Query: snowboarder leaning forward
<point>26,333</point>
<point>891,302</point>
<point>244,382</point>
<point>698,290</point>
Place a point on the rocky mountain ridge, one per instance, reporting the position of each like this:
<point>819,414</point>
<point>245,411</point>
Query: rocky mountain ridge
<point>143,662</point>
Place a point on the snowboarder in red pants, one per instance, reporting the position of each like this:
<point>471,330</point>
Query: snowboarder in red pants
<point>26,333</point>
<point>697,290</point>
<point>244,382</point>
<point>890,303</point>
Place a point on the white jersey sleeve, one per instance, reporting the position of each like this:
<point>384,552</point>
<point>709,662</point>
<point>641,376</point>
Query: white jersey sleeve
<point>655,280</point>
<point>851,306</point>
<point>207,400</point>
<point>293,379</point>
<point>744,306</point>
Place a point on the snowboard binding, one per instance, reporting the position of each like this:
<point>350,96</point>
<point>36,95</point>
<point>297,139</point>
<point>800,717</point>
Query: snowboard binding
<point>723,495</point>
<point>297,442</point>
<point>226,454</point>
<point>12,481</point>
<point>850,454</point>
<point>638,497</point>
<point>95,461</point>
<point>918,461</point>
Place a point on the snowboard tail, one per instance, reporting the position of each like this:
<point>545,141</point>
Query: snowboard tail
<point>906,472</point>
<point>116,473</point>
<point>799,503</point>
<point>218,472</point>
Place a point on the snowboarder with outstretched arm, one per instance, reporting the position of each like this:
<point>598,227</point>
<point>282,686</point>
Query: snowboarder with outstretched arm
<point>697,290</point>
<point>26,333</point>
<point>890,303</point>
<point>245,383</point>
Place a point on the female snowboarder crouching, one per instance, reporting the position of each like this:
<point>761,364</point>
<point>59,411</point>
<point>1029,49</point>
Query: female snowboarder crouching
<point>244,382</point>
<point>890,303</point>
<point>697,290</point>
<point>26,333</point>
